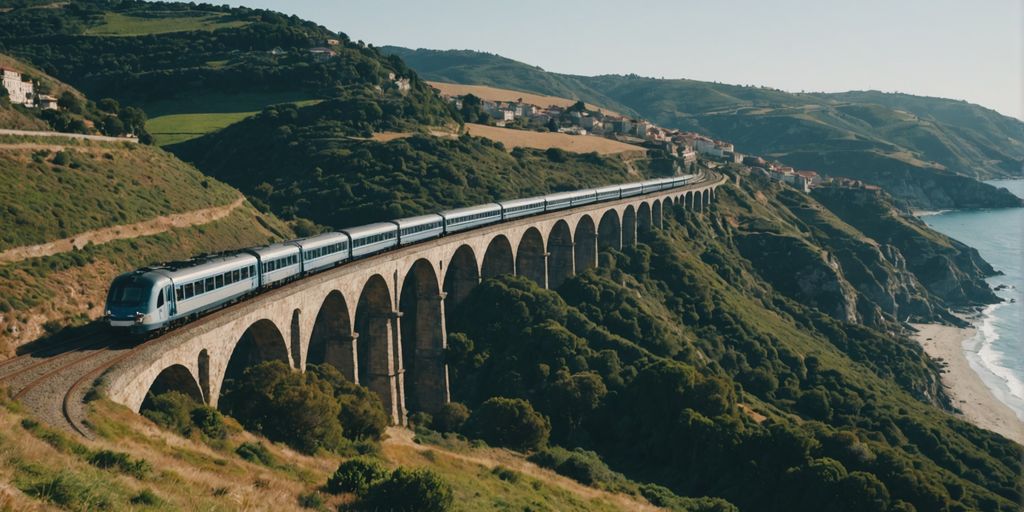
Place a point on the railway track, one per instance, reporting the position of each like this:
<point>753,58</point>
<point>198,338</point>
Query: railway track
<point>41,380</point>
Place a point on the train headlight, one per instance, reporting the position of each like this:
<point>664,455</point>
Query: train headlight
<point>139,317</point>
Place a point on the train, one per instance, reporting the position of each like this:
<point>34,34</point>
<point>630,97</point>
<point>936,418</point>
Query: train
<point>156,298</point>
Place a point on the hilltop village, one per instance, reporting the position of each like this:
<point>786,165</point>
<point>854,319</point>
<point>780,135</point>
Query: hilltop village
<point>586,120</point>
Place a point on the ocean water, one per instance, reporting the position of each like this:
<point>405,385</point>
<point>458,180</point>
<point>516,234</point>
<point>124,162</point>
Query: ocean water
<point>996,352</point>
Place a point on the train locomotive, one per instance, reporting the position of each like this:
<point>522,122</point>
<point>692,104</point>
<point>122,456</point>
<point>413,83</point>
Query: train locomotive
<point>156,298</point>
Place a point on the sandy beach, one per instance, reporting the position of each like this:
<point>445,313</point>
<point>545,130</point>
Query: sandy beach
<point>965,387</point>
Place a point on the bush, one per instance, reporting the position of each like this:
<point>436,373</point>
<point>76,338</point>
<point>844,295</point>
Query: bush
<point>451,418</point>
<point>510,422</point>
<point>361,412</point>
<point>106,459</point>
<point>287,406</point>
<point>178,412</point>
<point>209,421</point>
<point>420,419</point>
<point>505,474</point>
<point>146,497</point>
<point>311,499</point>
<point>356,475</point>
<point>62,158</point>
<point>256,453</point>
<point>581,465</point>
<point>417,490</point>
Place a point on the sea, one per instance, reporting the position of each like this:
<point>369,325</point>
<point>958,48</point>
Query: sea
<point>996,352</point>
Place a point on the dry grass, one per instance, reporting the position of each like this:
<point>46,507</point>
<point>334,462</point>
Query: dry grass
<point>544,140</point>
<point>187,474</point>
<point>495,94</point>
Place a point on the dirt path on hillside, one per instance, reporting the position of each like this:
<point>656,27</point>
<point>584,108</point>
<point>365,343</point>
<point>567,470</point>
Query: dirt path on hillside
<point>104,235</point>
<point>404,437</point>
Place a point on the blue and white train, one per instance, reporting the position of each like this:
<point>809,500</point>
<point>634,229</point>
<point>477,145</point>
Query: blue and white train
<point>156,298</point>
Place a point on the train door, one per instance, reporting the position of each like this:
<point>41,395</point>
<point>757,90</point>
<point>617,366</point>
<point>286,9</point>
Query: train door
<point>172,305</point>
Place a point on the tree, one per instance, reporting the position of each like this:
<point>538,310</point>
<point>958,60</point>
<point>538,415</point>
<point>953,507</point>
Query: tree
<point>112,126</point>
<point>298,409</point>
<point>416,490</point>
<point>510,422</point>
<point>356,475</point>
<point>109,105</point>
<point>451,418</point>
<point>68,101</point>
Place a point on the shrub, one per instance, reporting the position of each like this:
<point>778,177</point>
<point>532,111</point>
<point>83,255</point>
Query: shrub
<point>62,158</point>
<point>146,497</point>
<point>362,414</point>
<point>510,422</point>
<point>311,499</point>
<point>505,474</point>
<point>170,410</point>
<point>581,465</point>
<point>451,418</point>
<point>256,452</point>
<point>356,475</point>
<point>209,421</point>
<point>106,459</point>
<point>420,419</point>
<point>417,490</point>
<point>287,406</point>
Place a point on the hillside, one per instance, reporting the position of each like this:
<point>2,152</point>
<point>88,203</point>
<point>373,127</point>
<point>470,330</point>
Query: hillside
<point>834,133</point>
<point>61,188</point>
<point>752,356</point>
<point>287,155</point>
<point>656,360</point>
<point>154,469</point>
<point>198,68</point>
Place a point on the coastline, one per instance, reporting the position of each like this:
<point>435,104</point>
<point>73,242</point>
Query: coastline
<point>966,389</point>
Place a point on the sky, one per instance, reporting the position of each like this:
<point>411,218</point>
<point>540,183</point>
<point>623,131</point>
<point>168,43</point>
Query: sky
<point>953,49</point>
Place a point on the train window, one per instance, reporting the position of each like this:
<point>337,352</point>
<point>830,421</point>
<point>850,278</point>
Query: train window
<point>236,276</point>
<point>244,273</point>
<point>160,300</point>
<point>211,284</point>
<point>187,292</point>
<point>218,281</point>
<point>200,287</point>
<point>179,293</point>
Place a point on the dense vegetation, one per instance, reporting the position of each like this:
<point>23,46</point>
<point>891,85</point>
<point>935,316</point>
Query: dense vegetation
<point>312,410</point>
<point>306,162</point>
<point>662,389</point>
<point>894,140</point>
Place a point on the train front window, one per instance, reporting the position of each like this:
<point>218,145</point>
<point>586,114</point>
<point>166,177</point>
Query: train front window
<point>128,295</point>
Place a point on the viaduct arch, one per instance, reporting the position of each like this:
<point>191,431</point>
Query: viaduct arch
<point>381,320</point>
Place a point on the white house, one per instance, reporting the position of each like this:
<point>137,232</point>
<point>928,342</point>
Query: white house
<point>19,91</point>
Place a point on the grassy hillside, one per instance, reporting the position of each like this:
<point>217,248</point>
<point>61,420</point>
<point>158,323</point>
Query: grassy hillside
<point>930,133</point>
<point>198,68</point>
<point>60,187</point>
<point>153,469</point>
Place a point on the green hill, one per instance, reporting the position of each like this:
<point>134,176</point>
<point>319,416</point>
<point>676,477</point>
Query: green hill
<point>920,135</point>
<point>63,188</point>
<point>198,68</point>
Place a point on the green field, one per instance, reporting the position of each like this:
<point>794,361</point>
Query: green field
<point>117,24</point>
<point>179,120</point>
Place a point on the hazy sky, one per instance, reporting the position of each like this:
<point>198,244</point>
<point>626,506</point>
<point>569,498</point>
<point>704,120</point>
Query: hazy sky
<point>955,49</point>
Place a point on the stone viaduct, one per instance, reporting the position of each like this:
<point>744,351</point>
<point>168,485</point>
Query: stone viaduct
<point>381,320</point>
